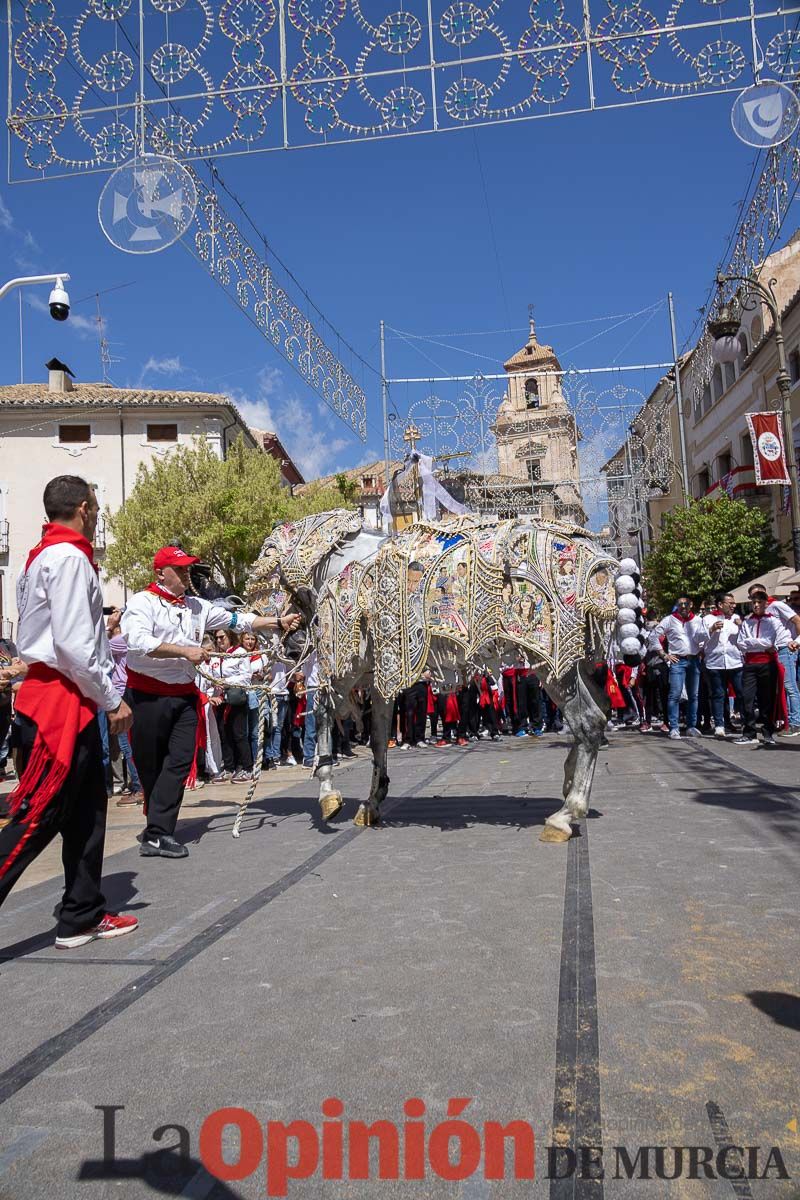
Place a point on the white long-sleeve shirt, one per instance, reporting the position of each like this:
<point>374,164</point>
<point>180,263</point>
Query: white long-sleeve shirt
<point>237,667</point>
<point>722,651</point>
<point>783,615</point>
<point>683,637</point>
<point>759,634</point>
<point>149,621</point>
<point>61,622</point>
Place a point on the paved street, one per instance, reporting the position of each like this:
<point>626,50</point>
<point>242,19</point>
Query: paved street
<point>638,986</point>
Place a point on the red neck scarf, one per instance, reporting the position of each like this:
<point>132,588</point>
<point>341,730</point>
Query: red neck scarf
<point>60,712</point>
<point>165,595</point>
<point>54,534</point>
<point>689,617</point>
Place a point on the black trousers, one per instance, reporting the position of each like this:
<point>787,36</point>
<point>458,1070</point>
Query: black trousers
<point>417,712</point>
<point>237,753</point>
<point>533,700</point>
<point>656,690</point>
<point>759,684</point>
<point>78,813</point>
<point>163,741</point>
<point>467,705</point>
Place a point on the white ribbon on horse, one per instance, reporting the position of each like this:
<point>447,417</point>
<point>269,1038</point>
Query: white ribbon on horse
<point>432,490</point>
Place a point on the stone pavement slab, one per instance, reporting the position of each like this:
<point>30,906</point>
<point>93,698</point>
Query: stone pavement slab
<point>638,986</point>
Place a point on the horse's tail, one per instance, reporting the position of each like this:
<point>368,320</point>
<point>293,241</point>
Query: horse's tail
<point>629,624</point>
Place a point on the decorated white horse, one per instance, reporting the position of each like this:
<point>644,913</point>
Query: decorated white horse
<point>459,596</point>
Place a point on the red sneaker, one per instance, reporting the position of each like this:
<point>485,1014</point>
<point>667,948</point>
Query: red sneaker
<point>110,925</point>
<point>443,742</point>
<point>462,742</point>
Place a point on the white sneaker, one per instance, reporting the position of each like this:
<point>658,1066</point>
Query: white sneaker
<point>719,731</point>
<point>675,734</point>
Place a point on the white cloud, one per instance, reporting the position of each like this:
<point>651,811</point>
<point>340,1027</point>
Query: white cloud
<point>163,366</point>
<point>85,327</point>
<point>6,219</point>
<point>308,430</point>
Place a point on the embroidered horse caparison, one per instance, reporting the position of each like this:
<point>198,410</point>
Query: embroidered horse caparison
<point>466,595</point>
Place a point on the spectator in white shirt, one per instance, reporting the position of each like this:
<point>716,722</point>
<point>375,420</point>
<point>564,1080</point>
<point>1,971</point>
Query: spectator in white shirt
<point>685,636</point>
<point>723,661</point>
<point>758,640</point>
<point>788,639</point>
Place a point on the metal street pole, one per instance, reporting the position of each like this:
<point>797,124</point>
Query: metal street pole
<point>679,402</point>
<point>766,292</point>
<point>385,401</point>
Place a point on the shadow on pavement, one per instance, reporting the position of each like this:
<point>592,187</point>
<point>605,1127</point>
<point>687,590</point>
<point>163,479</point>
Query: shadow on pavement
<point>782,1007</point>
<point>163,1172</point>
<point>119,890</point>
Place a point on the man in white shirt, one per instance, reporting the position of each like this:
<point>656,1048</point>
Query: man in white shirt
<point>788,639</point>
<point>164,628</point>
<point>62,787</point>
<point>685,635</point>
<point>758,639</point>
<point>723,661</point>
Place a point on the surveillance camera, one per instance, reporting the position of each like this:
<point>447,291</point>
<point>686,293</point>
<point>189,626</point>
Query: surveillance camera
<point>59,302</point>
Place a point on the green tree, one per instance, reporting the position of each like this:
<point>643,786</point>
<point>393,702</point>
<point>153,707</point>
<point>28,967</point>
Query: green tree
<point>708,547</point>
<point>220,511</point>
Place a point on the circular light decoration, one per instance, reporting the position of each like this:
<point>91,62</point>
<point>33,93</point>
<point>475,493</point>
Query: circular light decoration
<point>147,204</point>
<point>783,54</point>
<point>403,107</point>
<point>399,33</point>
<point>466,99</point>
<point>461,23</point>
<point>765,114</point>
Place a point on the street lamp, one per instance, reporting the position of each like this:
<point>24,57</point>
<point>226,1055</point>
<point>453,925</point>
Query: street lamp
<point>725,332</point>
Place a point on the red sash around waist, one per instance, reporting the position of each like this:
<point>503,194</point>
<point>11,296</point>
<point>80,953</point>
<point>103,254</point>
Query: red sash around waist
<point>760,656</point>
<point>157,687</point>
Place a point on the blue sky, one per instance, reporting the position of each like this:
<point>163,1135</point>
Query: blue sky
<point>591,215</point>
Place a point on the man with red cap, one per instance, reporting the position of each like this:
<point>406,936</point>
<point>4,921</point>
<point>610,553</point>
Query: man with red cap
<point>164,628</point>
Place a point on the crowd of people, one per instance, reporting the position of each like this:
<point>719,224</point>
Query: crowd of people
<point>170,691</point>
<point>716,672</point>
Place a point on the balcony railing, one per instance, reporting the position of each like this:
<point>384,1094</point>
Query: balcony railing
<point>3,537</point>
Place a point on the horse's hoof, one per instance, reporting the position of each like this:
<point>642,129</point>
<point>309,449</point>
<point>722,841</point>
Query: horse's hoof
<point>331,804</point>
<point>365,817</point>
<point>551,833</point>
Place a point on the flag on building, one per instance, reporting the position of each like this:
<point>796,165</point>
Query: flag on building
<point>769,454</point>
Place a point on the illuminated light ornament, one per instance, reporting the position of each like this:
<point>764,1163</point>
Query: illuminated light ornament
<point>551,87</point>
<point>246,20</point>
<point>109,10</point>
<point>114,143</point>
<point>40,12</point>
<point>720,63</point>
<point>41,118</point>
<point>147,204</point>
<point>466,99</point>
<point>316,14</point>
<point>765,114</point>
<point>625,24</point>
<point>318,43</point>
<point>630,76</point>
<point>39,155</point>
<point>40,83</point>
<point>321,118</point>
<point>462,23</point>
<point>321,82</point>
<point>166,6</point>
<point>250,126</point>
<point>554,48</point>
<point>171,63</point>
<point>40,46</point>
<point>261,79</point>
<point>113,71</point>
<point>546,12</point>
<point>783,54</point>
<point>403,108</point>
<point>399,33</point>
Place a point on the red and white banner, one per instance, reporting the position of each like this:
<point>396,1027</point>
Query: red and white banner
<point>769,453</point>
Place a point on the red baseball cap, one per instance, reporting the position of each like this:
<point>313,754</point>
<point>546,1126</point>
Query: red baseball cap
<point>171,556</point>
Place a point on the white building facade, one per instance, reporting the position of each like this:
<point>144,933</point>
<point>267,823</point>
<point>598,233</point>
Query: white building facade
<point>96,431</point>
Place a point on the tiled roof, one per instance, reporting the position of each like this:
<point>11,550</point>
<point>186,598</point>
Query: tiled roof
<point>376,470</point>
<point>99,395</point>
<point>532,353</point>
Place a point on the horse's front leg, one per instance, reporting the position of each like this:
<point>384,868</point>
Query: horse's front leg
<point>583,710</point>
<point>330,800</point>
<point>369,813</point>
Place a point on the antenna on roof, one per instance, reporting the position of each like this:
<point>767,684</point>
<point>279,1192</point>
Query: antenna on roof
<point>106,357</point>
